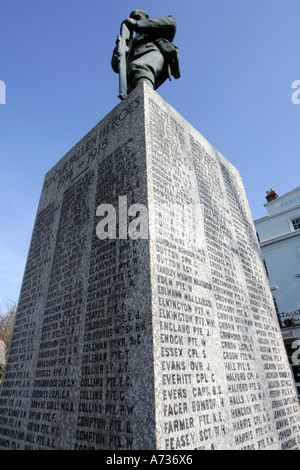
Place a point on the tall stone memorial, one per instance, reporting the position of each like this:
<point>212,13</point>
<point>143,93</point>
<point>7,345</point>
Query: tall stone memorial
<point>145,320</point>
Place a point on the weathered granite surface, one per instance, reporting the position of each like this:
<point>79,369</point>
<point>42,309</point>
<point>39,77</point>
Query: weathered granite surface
<point>166,342</point>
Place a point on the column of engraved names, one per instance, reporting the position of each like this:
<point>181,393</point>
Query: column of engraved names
<point>53,403</point>
<point>190,407</point>
<point>236,341</point>
<point>280,387</point>
<point>111,329</point>
<point>15,392</point>
<point>258,423</point>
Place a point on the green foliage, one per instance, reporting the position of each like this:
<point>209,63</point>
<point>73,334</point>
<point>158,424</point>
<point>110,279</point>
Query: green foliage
<point>290,322</point>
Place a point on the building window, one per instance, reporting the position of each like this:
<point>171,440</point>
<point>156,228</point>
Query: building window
<point>265,264</point>
<point>296,223</point>
<point>276,305</point>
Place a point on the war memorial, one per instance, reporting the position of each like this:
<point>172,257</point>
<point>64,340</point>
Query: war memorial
<point>145,319</point>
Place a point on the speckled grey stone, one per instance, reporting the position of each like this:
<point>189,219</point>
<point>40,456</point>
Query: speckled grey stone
<point>166,342</point>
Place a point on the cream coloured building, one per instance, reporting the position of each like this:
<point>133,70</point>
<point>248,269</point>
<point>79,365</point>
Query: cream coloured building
<point>279,237</point>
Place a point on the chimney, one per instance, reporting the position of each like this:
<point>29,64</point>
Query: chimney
<point>271,195</point>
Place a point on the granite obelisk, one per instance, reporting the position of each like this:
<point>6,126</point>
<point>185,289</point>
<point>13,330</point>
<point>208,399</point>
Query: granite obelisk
<point>145,319</point>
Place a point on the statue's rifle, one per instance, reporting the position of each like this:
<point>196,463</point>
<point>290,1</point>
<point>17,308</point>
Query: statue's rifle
<point>122,43</point>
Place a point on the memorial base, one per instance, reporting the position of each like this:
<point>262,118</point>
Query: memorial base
<point>145,319</point>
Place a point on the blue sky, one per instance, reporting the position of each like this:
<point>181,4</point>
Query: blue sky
<point>238,60</point>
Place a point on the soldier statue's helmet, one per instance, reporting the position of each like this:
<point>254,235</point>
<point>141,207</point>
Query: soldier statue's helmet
<point>140,13</point>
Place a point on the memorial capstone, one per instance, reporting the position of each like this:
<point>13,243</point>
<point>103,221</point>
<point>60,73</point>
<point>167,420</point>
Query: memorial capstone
<point>145,319</point>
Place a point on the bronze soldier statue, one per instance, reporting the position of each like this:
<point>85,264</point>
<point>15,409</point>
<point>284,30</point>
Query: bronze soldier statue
<point>149,56</point>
